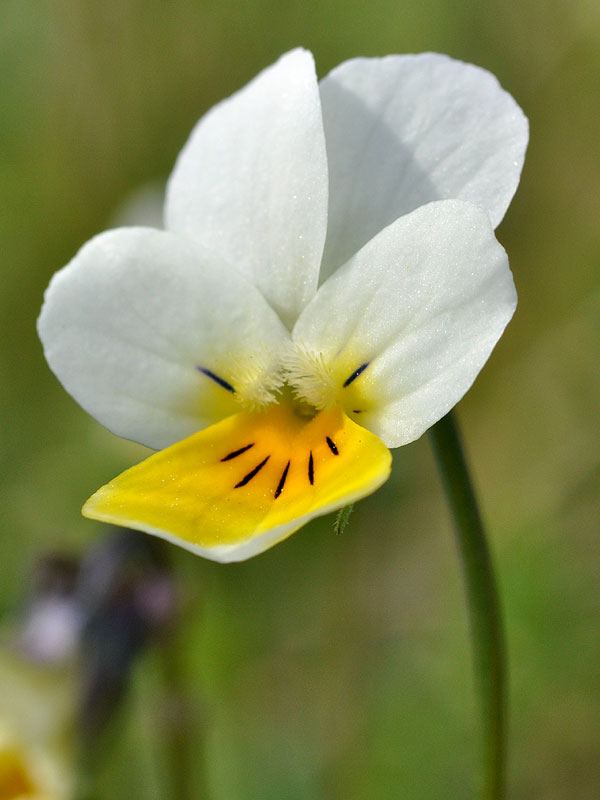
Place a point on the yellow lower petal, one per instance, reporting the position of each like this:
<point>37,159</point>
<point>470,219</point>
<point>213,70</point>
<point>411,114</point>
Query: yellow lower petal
<point>244,484</point>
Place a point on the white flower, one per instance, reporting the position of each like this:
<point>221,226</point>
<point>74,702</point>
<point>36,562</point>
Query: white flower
<point>328,286</point>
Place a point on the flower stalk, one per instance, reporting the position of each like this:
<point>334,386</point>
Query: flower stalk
<point>482,599</point>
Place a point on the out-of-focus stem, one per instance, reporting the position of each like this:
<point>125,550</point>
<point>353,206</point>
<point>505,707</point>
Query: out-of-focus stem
<point>482,600</point>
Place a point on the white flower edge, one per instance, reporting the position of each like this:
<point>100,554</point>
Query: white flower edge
<point>424,304</point>
<point>267,172</point>
<point>251,183</point>
<point>405,130</point>
<point>129,322</point>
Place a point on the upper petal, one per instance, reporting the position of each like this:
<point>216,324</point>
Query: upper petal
<point>403,329</point>
<point>251,183</point>
<point>403,131</point>
<point>140,324</point>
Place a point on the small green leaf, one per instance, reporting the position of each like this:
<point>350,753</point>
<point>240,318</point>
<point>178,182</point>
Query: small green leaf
<point>341,519</point>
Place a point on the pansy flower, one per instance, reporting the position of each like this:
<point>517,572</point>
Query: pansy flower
<point>327,286</point>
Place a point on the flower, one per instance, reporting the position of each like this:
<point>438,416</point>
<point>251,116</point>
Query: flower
<point>327,287</point>
<point>36,731</point>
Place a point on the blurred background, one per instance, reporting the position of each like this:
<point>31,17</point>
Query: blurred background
<point>331,666</point>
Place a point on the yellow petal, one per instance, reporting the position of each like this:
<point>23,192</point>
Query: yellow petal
<point>244,484</point>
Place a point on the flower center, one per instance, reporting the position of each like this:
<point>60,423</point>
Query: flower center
<point>306,380</point>
<point>310,377</point>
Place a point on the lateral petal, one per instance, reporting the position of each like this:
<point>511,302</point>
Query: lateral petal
<point>405,326</point>
<point>140,326</point>
<point>251,183</point>
<point>403,131</point>
<point>244,484</point>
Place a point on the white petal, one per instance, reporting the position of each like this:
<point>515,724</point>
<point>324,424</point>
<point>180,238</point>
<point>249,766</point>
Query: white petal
<point>128,323</point>
<point>251,183</point>
<point>403,131</point>
<point>423,304</point>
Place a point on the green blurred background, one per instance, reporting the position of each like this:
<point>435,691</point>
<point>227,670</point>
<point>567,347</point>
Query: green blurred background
<point>329,667</point>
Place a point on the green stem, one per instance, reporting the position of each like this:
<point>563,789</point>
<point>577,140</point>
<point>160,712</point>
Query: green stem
<point>482,599</point>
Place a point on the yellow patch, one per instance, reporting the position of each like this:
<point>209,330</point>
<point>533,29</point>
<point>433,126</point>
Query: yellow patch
<point>15,780</point>
<point>238,487</point>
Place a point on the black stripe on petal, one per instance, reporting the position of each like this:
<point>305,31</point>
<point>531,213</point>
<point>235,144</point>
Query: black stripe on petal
<point>332,446</point>
<point>311,469</point>
<point>356,373</point>
<point>281,483</point>
<point>236,453</point>
<point>221,381</point>
<point>253,472</point>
